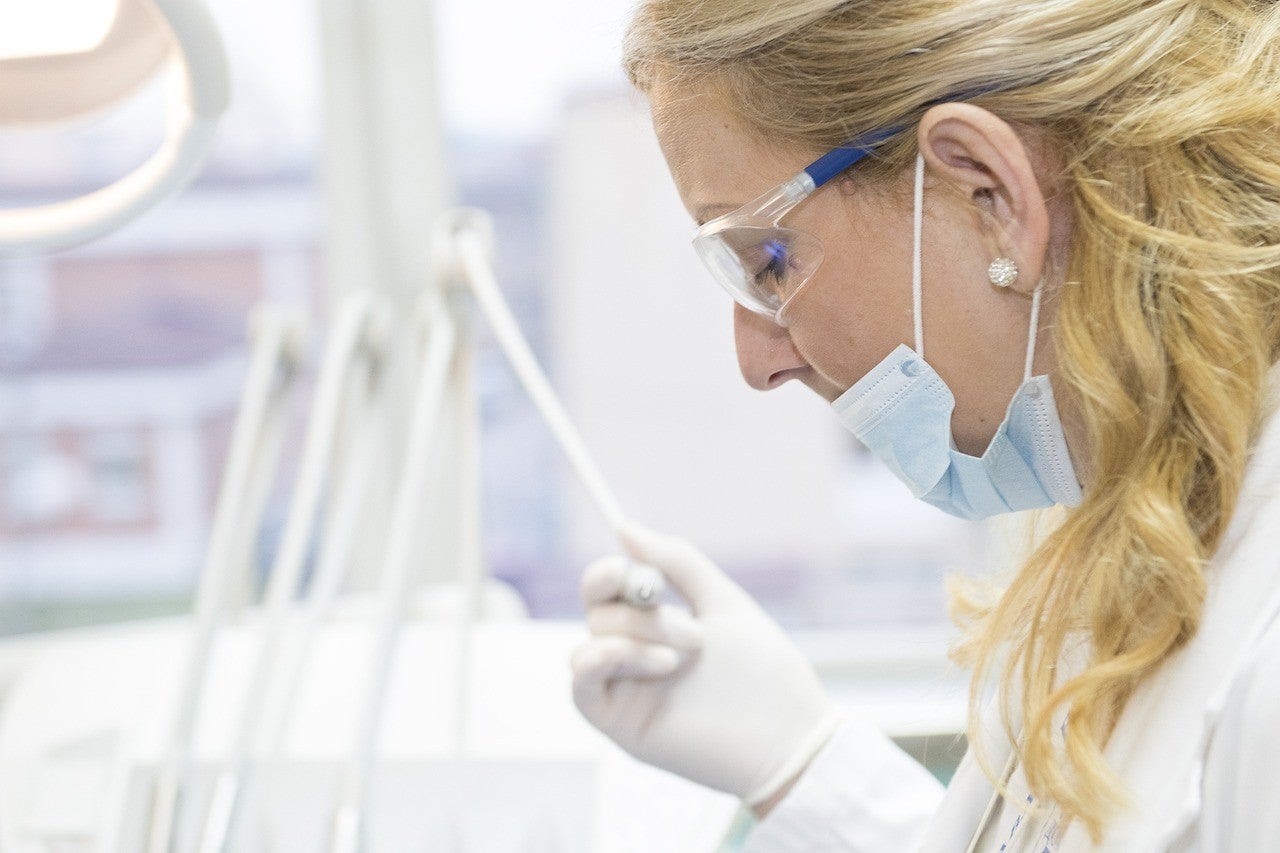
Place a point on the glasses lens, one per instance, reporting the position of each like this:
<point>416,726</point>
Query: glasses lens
<point>762,268</point>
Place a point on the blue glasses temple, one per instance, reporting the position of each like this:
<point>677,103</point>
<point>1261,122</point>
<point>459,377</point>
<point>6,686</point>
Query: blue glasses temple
<point>834,162</point>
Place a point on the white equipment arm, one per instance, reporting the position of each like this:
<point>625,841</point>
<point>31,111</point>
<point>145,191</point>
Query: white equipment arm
<point>278,349</point>
<point>357,333</point>
<point>397,576</point>
<point>349,492</point>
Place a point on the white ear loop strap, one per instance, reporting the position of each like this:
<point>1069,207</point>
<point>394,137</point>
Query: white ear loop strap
<point>1035,328</point>
<point>917,274</point>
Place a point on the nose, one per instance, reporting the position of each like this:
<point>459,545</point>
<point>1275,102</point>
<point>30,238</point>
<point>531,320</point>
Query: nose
<point>767,356</point>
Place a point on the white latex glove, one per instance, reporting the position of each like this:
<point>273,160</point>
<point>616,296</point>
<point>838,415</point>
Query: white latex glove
<point>723,698</point>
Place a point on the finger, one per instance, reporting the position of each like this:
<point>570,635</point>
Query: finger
<point>696,578</point>
<point>666,625</point>
<point>598,662</point>
<point>603,580</point>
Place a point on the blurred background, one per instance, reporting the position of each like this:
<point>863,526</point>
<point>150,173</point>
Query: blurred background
<point>121,362</point>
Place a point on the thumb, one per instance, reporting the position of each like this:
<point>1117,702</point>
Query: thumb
<point>694,576</point>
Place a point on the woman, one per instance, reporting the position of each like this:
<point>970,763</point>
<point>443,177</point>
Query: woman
<point>1075,205</point>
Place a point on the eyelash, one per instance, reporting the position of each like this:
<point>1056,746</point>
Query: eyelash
<point>778,262</point>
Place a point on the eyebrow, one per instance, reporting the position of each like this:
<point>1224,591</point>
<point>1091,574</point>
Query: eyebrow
<point>705,213</point>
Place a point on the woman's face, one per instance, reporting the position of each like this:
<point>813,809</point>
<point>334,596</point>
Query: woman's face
<point>858,307</point>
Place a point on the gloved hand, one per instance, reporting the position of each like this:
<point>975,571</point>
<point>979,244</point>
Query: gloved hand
<point>721,697</point>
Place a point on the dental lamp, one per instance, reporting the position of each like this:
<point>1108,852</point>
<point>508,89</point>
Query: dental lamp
<point>54,87</point>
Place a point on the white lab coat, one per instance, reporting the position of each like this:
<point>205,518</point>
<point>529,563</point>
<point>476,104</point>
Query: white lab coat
<point>1198,745</point>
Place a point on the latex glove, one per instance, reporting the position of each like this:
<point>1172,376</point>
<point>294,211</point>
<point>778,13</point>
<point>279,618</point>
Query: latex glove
<point>721,697</point>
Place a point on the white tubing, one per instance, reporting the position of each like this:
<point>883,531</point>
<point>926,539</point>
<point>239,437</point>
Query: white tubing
<point>343,347</point>
<point>473,257</point>
<point>276,350</point>
<point>333,558</point>
<point>644,585</point>
<point>471,571</point>
<point>397,576</point>
<point>221,813</point>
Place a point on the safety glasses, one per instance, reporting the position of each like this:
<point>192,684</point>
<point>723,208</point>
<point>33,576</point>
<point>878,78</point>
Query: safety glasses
<point>761,263</point>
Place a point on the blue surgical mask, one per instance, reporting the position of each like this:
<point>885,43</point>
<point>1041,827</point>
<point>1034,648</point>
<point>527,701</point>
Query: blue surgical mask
<point>901,411</point>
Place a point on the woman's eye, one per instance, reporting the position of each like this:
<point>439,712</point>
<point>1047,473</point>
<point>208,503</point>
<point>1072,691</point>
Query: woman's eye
<point>774,263</point>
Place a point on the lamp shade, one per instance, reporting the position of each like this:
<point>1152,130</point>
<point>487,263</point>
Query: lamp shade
<point>145,37</point>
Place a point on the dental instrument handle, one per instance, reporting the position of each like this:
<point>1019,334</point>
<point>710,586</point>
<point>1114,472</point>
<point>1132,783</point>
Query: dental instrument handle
<point>644,585</point>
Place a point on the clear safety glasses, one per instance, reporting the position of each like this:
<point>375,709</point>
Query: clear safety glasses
<point>760,262</point>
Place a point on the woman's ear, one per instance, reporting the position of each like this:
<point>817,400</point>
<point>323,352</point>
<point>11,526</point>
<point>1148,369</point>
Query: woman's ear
<point>980,155</point>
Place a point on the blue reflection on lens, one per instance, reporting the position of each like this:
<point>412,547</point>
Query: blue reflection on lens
<point>776,250</point>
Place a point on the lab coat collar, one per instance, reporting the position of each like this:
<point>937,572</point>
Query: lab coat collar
<point>970,792</point>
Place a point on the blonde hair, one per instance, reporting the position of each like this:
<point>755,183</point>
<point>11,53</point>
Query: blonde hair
<point>1164,116</point>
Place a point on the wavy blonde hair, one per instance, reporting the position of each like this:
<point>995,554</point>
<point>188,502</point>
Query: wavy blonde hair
<point>1164,116</point>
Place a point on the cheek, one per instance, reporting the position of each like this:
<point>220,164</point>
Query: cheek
<point>858,308</point>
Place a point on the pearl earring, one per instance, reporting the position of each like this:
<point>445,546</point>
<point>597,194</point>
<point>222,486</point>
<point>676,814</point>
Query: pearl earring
<point>1002,272</point>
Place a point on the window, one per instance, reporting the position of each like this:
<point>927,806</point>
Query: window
<point>119,485</point>
<point>44,483</point>
<point>24,309</point>
<point>121,362</point>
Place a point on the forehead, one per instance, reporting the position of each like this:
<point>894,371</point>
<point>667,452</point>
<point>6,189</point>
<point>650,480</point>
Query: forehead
<point>713,158</point>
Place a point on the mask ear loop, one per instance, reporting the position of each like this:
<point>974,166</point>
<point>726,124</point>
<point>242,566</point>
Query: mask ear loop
<point>1035,329</point>
<point>917,274</point>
